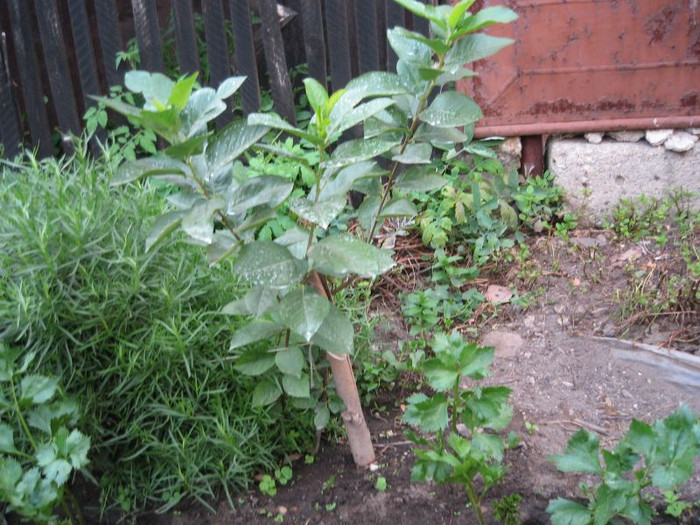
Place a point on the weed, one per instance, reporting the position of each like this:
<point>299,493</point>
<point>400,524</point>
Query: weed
<point>507,509</point>
<point>448,457</point>
<point>328,484</point>
<point>531,428</point>
<point>267,485</point>
<point>380,484</point>
<point>667,449</point>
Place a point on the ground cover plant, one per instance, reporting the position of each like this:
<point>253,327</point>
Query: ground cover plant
<point>294,278</point>
<point>134,337</point>
<point>659,455</point>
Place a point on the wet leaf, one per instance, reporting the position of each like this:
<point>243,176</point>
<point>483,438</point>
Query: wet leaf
<point>320,213</point>
<point>146,167</point>
<point>335,334</point>
<point>359,150</point>
<point>257,330</point>
<point>265,189</point>
<point>342,255</point>
<point>290,361</point>
<point>451,109</point>
<point>269,264</point>
<point>230,143</point>
<point>475,47</point>
<point>415,154</point>
<point>303,312</point>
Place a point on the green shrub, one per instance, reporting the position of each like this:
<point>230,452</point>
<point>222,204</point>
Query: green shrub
<point>134,336</point>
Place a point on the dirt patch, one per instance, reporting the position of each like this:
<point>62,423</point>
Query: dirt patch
<point>564,354</point>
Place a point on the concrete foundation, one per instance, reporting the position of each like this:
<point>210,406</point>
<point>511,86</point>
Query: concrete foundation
<point>596,176</point>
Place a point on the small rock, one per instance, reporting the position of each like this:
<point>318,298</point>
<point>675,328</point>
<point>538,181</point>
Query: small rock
<point>656,137</point>
<point>694,131</point>
<point>496,294</point>
<point>282,510</point>
<point>626,136</point>
<point>594,138</point>
<point>586,242</point>
<point>463,430</point>
<point>680,141</point>
<point>505,344</point>
<point>531,380</point>
<point>567,384</point>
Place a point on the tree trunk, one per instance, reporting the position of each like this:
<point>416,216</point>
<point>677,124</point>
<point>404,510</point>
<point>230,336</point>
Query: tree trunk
<point>359,437</point>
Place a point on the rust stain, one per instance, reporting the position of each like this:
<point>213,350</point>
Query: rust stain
<point>567,106</point>
<point>659,26</point>
<point>690,99</point>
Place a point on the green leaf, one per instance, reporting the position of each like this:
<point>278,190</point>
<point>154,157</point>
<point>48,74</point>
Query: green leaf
<point>188,148</point>
<point>260,300</point>
<point>451,109</point>
<point>230,143</point>
<point>146,167</point>
<point>269,264</point>
<point>491,445</point>
<point>399,208</point>
<point>296,386</point>
<point>377,84</point>
<point>181,91</point>
<point>322,416</point>
<point>266,392</point>
<point>203,106</point>
<point>440,375</point>
<point>357,115</point>
<point>496,14</point>
<point>255,362</point>
<point>265,189</point>
<point>428,413</point>
<point>276,122</point>
<point>10,474</point>
<point>303,312</point>
<point>223,245</point>
<point>320,213</point>
<point>421,179</point>
<point>339,184</point>
<point>640,438</point>
<point>359,150</point>
<point>7,440</point>
<point>290,361</point>
<point>457,13</point>
<point>198,222</point>
<point>341,255</point>
<point>581,454</point>
<point>57,471</point>
<point>567,512</point>
<point>316,94</point>
<point>42,417</point>
<point>229,86</point>
<point>37,389</point>
<point>415,154</point>
<point>408,48</point>
<point>295,240</point>
<point>335,334</point>
<point>424,11</point>
<point>257,330</point>
<point>443,135</point>
<point>155,87</point>
<point>475,47</point>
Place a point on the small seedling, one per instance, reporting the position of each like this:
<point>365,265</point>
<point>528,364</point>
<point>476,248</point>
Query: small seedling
<point>283,475</point>
<point>267,485</point>
<point>507,509</point>
<point>531,428</point>
<point>330,507</point>
<point>309,459</point>
<point>675,506</point>
<point>328,484</point>
<point>381,484</point>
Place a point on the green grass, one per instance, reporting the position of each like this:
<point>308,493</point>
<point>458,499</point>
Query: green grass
<point>135,337</point>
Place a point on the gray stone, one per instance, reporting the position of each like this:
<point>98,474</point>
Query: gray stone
<point>694,131</point>
<point>656,137</point>
<point>588,242</point>
<point>594,138</point>
<point>510,153</point>
<point>680,142</point>
<point>626,136</point>
<point>596,176</point>
<point>505,344</point>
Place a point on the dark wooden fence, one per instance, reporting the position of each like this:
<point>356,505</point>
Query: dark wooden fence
<point>55,53</point>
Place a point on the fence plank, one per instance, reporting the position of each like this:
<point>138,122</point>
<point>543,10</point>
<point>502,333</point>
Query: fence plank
<point>338,43</point>
<point>395,16</point>
<point>185,37</point>
<point>30,79</point>
<point>367,38</point>
<point>280,83</point>
<point>314,43</point>
<point>10,134</point>
<point>420,24</point>
<point>246,63</point>
<point>217,50</point>
<point>85,56</point>
<point>57,67</point>
<point>148,35</point>
<point>110,40</point>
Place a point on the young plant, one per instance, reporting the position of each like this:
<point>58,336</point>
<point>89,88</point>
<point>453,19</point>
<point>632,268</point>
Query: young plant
<point>293,279</point>
<point>453,455</point>
<point>507,509</point>
<point>659,455</point>
<point>38,452</point>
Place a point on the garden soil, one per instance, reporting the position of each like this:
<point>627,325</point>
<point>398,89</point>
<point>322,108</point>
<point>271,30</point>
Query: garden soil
<point>572,360</point>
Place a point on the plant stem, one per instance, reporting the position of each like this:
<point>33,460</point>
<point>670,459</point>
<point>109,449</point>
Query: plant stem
<point>406,141</point>
<point>475,502</point>
<point>22,421</point>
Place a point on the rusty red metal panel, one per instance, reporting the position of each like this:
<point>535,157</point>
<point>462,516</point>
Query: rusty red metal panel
<point>584,65</point>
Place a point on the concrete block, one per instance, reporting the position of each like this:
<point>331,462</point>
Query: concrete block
<point>596,177</point>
